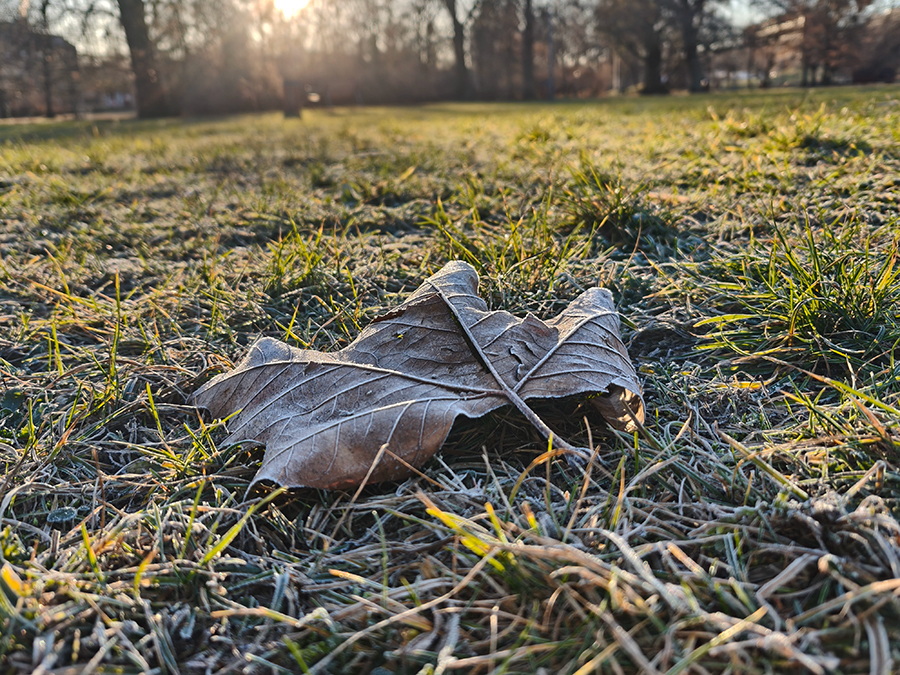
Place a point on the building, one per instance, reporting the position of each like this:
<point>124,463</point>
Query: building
<point>777,49</point>
<point>38,72</point>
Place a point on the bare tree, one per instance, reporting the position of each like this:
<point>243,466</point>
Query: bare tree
<point>47,58</point>
<point>636,27</point>
<point>460,16</point>
<point>422,19</point>
<point>528,50</point>
<point>880,50</point>
<point>150,91</point>
<point>831,33</point>
<point>688,16</point>
<point>494,37</point>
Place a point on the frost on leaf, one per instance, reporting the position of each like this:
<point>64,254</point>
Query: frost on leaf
<point>396,390</point>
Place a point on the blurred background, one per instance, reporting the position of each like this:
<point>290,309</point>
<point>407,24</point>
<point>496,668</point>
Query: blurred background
<point>171,57</point>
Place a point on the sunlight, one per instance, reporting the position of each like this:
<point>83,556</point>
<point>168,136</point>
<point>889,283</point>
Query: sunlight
<point>290,7</point>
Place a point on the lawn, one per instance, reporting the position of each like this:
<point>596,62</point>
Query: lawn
<point>750,241</point>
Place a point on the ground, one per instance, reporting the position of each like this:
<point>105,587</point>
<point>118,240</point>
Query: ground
<point>750,241</point>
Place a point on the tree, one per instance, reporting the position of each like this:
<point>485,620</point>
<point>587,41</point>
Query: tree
<point>98,17</point>
<point>423,32</point>
<point>494,38</point>
<point>528,51</point>
<point>879,58</point>
<point>688,16</point>
<point>697,25</point>
<point>47,58</point>
<point>637,28</point>
<point>463,83</point>
<point>831,33</point>
<point>150,92</point>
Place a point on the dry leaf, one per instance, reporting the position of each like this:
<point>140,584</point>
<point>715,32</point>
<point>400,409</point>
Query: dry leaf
<point>325,417</point>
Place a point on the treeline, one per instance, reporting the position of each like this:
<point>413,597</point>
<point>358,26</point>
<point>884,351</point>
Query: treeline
<point>208,56</point>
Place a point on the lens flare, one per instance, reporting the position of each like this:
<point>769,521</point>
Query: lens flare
<point>290,7</point>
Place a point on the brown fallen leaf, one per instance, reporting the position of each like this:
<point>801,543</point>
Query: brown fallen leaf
<point>324,417</point>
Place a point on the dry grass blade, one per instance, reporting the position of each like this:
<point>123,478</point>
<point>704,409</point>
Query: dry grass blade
<point>628,645</point>
<point>880,660</point>
<point>472,574</point>
<point>723,637</point>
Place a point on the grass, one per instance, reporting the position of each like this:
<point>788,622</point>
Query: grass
<point>751,243</point>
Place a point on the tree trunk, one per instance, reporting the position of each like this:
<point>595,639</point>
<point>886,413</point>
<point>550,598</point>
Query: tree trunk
<point>47,58</point>
<point>653,65</point>
<point>695,71</point>
<point>47,55</point>
<point>689,36</point>
<point>293,98</point>
<point>551,58</point>
<point>528,53</point>
<point>509,62</point>
<point>459,51</point>
<point>74,93</point>
<point>751,56</point>
<point>149,89</point>
<point>767,72</point>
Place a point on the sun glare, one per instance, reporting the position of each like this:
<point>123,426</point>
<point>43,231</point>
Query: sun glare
<point>290,7</point>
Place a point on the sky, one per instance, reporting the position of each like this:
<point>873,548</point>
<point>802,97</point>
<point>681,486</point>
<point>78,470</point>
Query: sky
<point>742,13</point>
